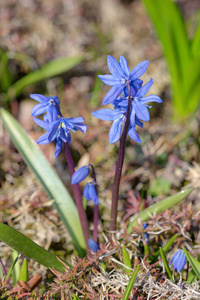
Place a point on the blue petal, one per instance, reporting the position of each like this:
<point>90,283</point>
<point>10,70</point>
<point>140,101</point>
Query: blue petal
<point>132,117</point>
<point>63,135</point>
<point>136,84</point>
<point>113,93</point>
<point>138,122</point>
<point>150,98</point>
<point>93,245</point>
<point>80,174</point>
<point>109,79</point>
<point>58,147</point>
<point>41,123</point>
<point>56,100</point>
<point>39,97</point>
<point>53,133</point>
<point>67,123</point>
<point>145,88</point>
<point>107,114</point>
<point>139,70</point>
<point>115,130</point>
<point>39,109</point>
<point>43,139</point>
<point>76,120</point>
<point>121,102</point>
<point>114,67</point>
<point>124,65</point>
<point>81,127</point>
<point>52,113</point>
<point>133,134</point>
<point>141,111</point>
<point>90,193</point>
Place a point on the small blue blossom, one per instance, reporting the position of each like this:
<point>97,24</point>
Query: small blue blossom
<point>93,245</point>
<point>57,127</point>
<point>146,235</point>
<point>90,193</point>
<point>178,260</point>
<point>80,174</point>
<point>121,76</point>
<point>47,104</point>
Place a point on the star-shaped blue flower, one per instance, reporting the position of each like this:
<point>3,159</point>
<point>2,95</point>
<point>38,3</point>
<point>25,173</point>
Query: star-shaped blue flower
<point>121,76</point>
<point>90,192</point>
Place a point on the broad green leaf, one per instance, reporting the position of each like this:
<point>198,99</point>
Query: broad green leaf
<point>23,275</point>
<point>159,207</point>
<point>194,263</point>
<point>1,273</point>
<point>15,259</point>
<point>162,254</point>
<point>50,181</point>
<point>130,284</point>
<point>24,245</point>
<point>126,259</point>
<point>16,266</point>
<point>50,69</point>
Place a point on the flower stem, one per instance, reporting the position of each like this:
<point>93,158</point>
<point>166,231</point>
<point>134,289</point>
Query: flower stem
<point>96,208</point>
<point>95,231</point>
<point>77,196</point>
<point>118,171</point>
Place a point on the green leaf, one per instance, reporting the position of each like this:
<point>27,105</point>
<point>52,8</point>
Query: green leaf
<point>76,297</point>
<point>162,254</point>
<point>159,207</point>
<point>130,284</point>
<point>15,258</point>
<point>126,259</point>
<point>16,266</point>
<point>195,47</point>
<point>166,246</point>
<point>1,273</point>
<point>24,245</point>
<point>194,263</point>
<point>192,277</point>
<point>52,68</point>
<point>23,275</point>
<point>50,181</point>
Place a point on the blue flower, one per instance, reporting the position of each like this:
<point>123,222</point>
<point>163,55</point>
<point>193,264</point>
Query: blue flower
<point>80,174</point>
<point>90,193</point>
<point>146,235</point>
<point>178,260</point>
<point>93,245</point>
<point>121,76</point>
<point>47,104</point>
<point>57,127</point>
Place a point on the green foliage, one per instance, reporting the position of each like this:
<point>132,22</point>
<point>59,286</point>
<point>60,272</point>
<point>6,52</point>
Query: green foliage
<point>16,266</point>
<point>15,260</point>
<point>194,263</point>
<point>126,259</point>
<point>162,254</point>
<point>192,277</point>
<point>182,55</point>
<point>51,69</point>
<point>159,207</point>
<point>130,284</point>
<point>51,183</point>
<point>23,275</point>
<point>22,244</point>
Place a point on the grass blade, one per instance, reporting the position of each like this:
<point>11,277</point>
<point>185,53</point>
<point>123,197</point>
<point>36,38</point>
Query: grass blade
<point>159,207</point>
<point>15,260</point>
<point>194,263</point>
<point>50,69</point>
<point>50,181</point>
<point>162,254</point>
<point>126,259</point>
<point>24,245</point>
<point>130,284</point>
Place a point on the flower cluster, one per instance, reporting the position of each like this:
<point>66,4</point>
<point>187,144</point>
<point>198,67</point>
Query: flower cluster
<point>126,83</point>
<point>57,127</point>
<point>90,191</point>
